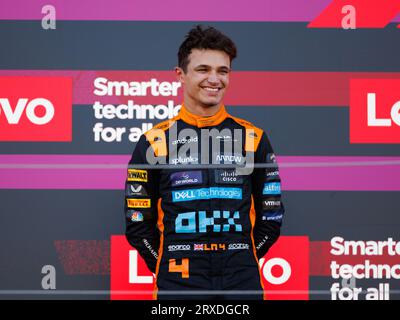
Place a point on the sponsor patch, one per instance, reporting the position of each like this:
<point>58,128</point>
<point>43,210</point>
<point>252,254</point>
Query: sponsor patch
<point>226,138</point>
<point>229,159</point>
<point>135,189</point>
<point>209,247</point>
<point>206,193</point>
<point>138,203</point>
<point>179,247</point>
<point>271,158</point>
<point>228,176</point>
<point>272,188</point>
<point>272,174</point>
<point>134,216</point>
<point>186,178</point>
<point>271,204</point>
<point>137,175</point>
<point>273,216</point>
<point>253,134</point>
<point>184,160</point>
<point>238,246</point>
<point>192,222</point>
<point>185,140</point>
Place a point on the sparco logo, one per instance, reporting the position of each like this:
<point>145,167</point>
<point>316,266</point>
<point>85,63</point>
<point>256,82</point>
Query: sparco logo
<point>35,109</point>
<point>179,247</point>
<point>238,246</point>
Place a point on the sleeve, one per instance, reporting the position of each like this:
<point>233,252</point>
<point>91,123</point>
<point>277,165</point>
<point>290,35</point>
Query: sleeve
<point>141,197</point>
<point>266,191</point>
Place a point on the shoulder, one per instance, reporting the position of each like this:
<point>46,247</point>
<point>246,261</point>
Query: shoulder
<point>244,123</point>
<point>253,133</point>
<point>156,136</point>
<point>164,125</point>
<point>160,128</point>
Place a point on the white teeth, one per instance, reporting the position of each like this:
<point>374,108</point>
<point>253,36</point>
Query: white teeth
<point>211,89</point>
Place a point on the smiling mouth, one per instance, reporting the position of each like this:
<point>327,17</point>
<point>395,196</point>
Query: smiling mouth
<point>211,89</point>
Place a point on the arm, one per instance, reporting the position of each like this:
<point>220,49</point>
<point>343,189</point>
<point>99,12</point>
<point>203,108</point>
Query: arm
<point>141,197</point>
<point>267,198</point>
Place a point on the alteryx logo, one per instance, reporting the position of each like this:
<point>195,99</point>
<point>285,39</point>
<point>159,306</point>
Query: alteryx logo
<point>207,193</point>
<point>272,188</point>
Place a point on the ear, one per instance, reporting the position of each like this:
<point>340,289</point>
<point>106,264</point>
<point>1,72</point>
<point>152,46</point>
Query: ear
<point>179,74</point>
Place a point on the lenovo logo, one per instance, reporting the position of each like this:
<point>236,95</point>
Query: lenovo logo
<point>375,111</point>
<point>23,106</point>
<point>373,121</point>
<point>35,109</point>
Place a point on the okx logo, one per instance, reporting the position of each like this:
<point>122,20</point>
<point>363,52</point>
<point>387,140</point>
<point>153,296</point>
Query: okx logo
<point>186,222</point>
<point>35,109</point>
<point>375,111</point>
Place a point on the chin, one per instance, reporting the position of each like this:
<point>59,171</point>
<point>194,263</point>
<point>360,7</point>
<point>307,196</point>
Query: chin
<point>209,103</point>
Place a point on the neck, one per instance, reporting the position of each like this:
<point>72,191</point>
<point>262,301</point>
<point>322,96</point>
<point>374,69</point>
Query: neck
<point>200,110</point>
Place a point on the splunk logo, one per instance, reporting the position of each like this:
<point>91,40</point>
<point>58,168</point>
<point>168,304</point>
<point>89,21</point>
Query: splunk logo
<point>187,222</point>
<point>35,109</point>
<point>375,111</point>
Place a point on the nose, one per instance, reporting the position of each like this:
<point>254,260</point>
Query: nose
<point>212,78</point>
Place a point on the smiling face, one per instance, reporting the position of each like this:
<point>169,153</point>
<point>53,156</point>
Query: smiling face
<point>206,78</point>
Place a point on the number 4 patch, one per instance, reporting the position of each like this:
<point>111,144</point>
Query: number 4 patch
<point>183,268</point>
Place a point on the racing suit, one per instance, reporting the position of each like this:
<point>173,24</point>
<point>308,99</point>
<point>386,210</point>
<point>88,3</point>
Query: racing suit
<point>203,227</point>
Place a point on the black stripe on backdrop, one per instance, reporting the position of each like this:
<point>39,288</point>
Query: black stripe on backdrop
<point>135,45</point>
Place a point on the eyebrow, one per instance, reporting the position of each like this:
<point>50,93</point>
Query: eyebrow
<point>208,67</point>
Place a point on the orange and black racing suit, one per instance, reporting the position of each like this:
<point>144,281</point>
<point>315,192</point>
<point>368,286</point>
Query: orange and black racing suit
<point>201,228</point>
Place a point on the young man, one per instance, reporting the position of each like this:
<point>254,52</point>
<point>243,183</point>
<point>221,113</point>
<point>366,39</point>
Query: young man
<point>203,200</point>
